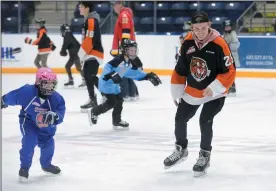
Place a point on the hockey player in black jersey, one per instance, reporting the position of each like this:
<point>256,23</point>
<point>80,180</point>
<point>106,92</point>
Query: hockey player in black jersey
<point>203,75</point>
<point>71,44</point>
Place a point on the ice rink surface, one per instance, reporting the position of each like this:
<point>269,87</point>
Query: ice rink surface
<point>99,159</point>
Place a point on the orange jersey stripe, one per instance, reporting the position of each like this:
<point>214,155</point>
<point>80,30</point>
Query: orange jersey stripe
<point>177,79</point>
<point>228,78</point>
<point>194,92</point>
<point>44,50</point>
<point>87,43</point>
<point>97,54</point>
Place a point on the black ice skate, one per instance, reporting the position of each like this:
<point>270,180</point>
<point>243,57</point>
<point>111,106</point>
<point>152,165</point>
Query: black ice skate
<point>92,103</point>
<point>52,169</point>
<point>122,125</point>
<point>23,175</point>
<point>202,163</point>
<point>83,84</point>
<point>179,155</point>
<point>232,91</point>
<point>92,118</point>
<point>69,84</point>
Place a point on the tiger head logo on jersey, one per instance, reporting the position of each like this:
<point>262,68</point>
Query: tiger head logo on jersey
<point>199,69</point>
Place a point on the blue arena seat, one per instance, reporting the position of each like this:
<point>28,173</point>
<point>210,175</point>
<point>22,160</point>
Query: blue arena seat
<point>145,6</point>
<point>234,6</point>
<point>164,20</point>
<point>194,6</point>
<point>214,6</point>
<point>163,6</point>
<point>181,20</point>
<point>180,6</point>
<point>15,8</point>
<point>76,24</point>
<point>218,20</point>
<point>103,7</point>
<point>146,25</point>
<point>163,9</point>
<point>5,9</point>
<point>146,20</point>
<point>10,25</point>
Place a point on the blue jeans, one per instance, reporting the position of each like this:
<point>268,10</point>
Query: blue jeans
<point>128,88</point>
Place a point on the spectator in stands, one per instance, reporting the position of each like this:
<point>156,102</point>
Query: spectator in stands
<point>44,43</point>
<point>124,29</point>
<point>232,40</point>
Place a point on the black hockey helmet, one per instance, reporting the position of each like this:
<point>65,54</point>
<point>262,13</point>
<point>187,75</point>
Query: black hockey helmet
<point>129,48</point>
<point>64,28</point>
<point>227,25</point>
<point>40,21</point>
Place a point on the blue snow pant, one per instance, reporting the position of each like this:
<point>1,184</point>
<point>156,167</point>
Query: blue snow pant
<point>128,88</point>
<point>32,137</point>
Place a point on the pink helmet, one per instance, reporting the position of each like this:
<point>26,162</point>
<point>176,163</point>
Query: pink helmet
<point>46,80</point>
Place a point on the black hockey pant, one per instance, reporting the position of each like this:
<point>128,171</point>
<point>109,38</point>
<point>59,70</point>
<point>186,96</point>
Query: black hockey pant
<point>90,70</point>
<point>73,60</point>
<point>186,111</point>
<point>113,101</point>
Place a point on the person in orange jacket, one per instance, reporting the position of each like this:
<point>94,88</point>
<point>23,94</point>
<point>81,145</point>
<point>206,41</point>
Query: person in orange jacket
<point>44,43</point>
<point>124,29</point>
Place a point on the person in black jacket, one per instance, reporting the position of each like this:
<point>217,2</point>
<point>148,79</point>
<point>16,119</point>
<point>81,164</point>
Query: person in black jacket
<point>71,44</point>
<point>43,42</point>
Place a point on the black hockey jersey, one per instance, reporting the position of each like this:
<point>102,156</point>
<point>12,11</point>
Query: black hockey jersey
<point>201,66</point>
<point>43,41</point>
<point>71,44</point>
<point>91,46</point>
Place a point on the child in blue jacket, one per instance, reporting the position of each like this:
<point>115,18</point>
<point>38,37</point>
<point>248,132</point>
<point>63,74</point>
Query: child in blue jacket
<point>42,110</point>
<point>113,72</point>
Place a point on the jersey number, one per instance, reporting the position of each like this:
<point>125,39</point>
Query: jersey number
<point>90,33</point>
<point>228,60</point>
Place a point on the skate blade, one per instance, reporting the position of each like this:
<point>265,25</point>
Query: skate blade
<point>231,95</point>
<point>116,128</point>
<point>82,87</point>
<point>69,87</point>
<point>22,179</point>
<point>84,110</point>
<point>178,162</point>
<point>199,174</point>
<point>52,174</point>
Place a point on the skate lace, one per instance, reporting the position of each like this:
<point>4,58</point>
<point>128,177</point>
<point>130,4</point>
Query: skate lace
<point>201,161</point>
<point>174,156</point>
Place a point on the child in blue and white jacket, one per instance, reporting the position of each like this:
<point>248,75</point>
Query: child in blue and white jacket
<point>42,110</point>
<point>113,72</point>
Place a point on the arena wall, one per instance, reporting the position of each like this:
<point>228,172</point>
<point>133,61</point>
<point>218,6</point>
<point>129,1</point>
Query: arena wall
<point>257,54</point>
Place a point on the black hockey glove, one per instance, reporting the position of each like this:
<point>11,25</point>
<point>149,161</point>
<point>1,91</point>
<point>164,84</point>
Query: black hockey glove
<point>114,76</point>
<point>153,78</point>
<point>53,47</point>
<point>3,105</point>
<point>63,53</point>
<point>50,118</point>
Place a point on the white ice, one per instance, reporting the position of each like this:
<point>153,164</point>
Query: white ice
<point>97,158</point>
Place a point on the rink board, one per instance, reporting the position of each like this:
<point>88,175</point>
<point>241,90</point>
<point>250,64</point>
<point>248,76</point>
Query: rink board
<point>163,72</point>
<point>157,52</point>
